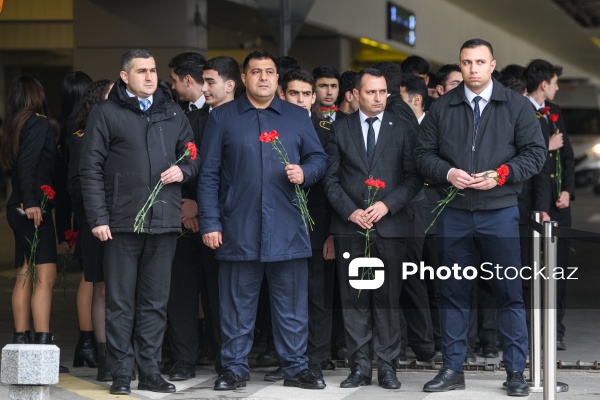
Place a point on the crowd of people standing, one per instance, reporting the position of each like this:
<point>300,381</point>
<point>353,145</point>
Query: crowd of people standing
<point>226,234</point>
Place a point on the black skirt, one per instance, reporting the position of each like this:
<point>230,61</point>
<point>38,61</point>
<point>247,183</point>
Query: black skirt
<point>88,249</point>
<point>23,231</point>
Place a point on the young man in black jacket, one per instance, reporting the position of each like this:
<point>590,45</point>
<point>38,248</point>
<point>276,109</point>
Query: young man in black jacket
<point>483,140</point>
<point>131,143</point>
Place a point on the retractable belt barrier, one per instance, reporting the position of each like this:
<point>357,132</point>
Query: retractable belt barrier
<point>550,231</point>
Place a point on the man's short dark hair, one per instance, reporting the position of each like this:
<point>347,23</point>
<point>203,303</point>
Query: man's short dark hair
<point>514,82</point>
<point>444,71</point>
<point>258,55</point>
<point>472,43</point>
<point>188,63</point>
<point>347,82</point>
<point>414,85</point>
<point>284,65</point>
<point>392,74</point>
<point>226,67</point>
<point>415,65</point>
<point>326,71</point>
<point>366,71</point>
<point>298,75</point>
<point>539,71</point>
<point>129,55</point>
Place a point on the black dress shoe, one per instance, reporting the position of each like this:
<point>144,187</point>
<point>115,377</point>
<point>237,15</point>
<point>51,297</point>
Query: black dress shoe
<point>182,371</point>
<point>121,385</point>
<point>305,379</point>
<point>168,366</point>
<point>445,380</point>
<point>560,344</point>
<point>516,385</point>
<point>155,383</point>
<point>429,356</point>
<point>342,353</point>
<point>489,352</point>
<point>389,380</point>
<point>316,370</point>
<point>267,359</point>
<point>355,379</point>
<point>274,376</point>
<point>327,365</point>
<point>229,381</point>
<point>470,357</point>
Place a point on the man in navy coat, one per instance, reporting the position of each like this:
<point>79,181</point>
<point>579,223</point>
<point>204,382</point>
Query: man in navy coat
<point>246,213</point>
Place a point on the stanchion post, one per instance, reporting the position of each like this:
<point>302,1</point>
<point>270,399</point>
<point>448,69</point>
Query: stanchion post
<point>550,246</point>
<point>535,345</point>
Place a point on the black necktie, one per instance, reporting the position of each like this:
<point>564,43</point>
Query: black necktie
<point>370,140</point>
<point>477,114</point>
<point>193,107</point>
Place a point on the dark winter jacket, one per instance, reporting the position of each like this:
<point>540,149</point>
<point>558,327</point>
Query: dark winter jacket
<point>124,152</point>
<point>34,165</point>
<point>509,133</point>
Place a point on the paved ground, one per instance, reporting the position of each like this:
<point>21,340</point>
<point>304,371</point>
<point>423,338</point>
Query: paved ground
<point>583,323</point>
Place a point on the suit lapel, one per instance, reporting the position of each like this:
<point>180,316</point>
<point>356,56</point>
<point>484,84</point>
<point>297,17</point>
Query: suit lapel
<point>357,136</point>
<point>385,133</point>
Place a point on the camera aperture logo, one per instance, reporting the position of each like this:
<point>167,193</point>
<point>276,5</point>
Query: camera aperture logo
<point>356,278</point>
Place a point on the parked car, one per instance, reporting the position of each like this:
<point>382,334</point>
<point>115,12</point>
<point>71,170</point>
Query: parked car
<point>580,104</point>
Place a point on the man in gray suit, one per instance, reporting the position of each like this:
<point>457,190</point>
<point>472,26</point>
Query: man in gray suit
<point>371,143</point>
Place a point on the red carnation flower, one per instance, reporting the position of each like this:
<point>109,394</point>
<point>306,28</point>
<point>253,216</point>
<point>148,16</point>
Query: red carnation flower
<point>546,110</point>
<point>192,148</point>
<point>324,109</point>
<point>553,117</point>
<point>48,191</point>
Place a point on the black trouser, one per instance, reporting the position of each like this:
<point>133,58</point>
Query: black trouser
<point>182,311</point>
<point>563,218</point>
<point>430,258</point>
<point>415,317</point>
<point>320,304</point>
<point>137,272</point>
<point>371,317</point>
<point>210,292</point>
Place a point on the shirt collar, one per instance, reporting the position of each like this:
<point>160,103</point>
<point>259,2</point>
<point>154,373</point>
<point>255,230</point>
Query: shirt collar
<point>535,104</point>
<point>485,95</point>
<point>199,103</point>
<point>245,105</point>
<point>363,117</point>
<point>151,98</point>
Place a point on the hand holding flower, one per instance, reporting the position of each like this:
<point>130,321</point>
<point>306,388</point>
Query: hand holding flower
<point>294,173</point>
<point>459,178</point>
<point>359,217</point>
<point>34,213</point>
<point>375,212</point>
<point>484,180</point>
<point>556,141</point>
<point>171,175</point>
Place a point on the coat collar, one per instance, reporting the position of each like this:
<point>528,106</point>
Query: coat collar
<point>458,93</point>
<point>245,105</point>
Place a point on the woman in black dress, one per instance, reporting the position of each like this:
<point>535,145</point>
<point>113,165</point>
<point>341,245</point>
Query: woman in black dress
<point>28,149</point>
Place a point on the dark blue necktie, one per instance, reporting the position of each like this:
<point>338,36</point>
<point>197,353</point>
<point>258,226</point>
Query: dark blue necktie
<point>477,114</point>
<point>371,139</point>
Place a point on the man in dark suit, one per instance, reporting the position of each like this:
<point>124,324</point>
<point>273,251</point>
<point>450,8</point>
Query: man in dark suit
<point>484,140</point>
<point>182,308</point>
<point>542,85</point>
<point>371,143</point>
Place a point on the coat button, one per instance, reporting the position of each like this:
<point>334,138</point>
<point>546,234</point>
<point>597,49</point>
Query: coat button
<point>550,154</point>
<point>551,176</point>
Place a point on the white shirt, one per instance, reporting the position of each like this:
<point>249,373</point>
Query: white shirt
<point>485,97</point>
<point>198,103</point>
<point>365,125</point>
<point>421,118</point>
<point>538,106</point>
